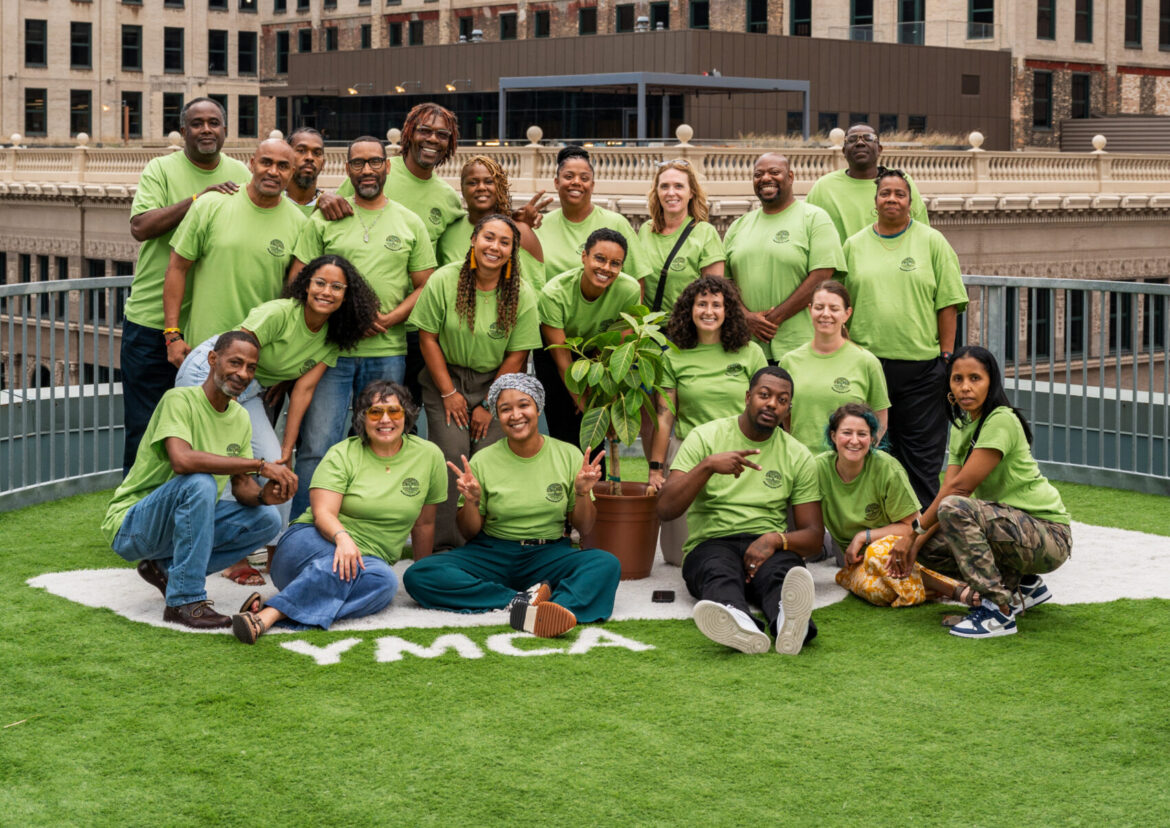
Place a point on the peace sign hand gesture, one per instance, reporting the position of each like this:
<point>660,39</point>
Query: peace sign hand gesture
<point>589,475</point>
<point>465,481</point>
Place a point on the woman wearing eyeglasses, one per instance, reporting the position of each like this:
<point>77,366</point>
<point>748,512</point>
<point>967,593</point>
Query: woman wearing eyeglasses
<point>326,309</point>
<point>368,493</point>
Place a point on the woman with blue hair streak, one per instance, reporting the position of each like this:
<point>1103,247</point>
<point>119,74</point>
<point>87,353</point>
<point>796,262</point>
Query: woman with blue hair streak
<point>517,499</point>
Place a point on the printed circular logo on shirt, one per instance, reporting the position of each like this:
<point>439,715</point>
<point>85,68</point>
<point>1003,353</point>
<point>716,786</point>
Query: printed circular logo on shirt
<point>276,247</point>
<point>308,365</point>
<point>732,369</point>
<point>678,264</point>
<point>410,487</point>
<point>908,264</point>
<point>496,332</point>
<point>436,215</point>
<point>872,510</point>
<point>773,479</point>
<point>393,243</point>
<point>781,237</point>
<point>233,450</point>
<point>580,248</point>
<point>555,493</point>
<point>841,385</point>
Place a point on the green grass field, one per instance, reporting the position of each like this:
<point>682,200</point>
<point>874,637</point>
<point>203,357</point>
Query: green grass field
<point>885,719</point>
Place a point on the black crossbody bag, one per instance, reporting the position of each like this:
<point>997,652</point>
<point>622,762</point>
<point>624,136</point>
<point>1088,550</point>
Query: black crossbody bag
<point>657,306</point>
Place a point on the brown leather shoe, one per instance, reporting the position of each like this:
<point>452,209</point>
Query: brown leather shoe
<point>197,615</point>
<point>153,574</point>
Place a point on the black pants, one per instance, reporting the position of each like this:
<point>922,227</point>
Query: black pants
<point>564,420</point>
<point>414,366</point>
<point>146,376</point>
<point>918,420</point>
<point>714,571</point>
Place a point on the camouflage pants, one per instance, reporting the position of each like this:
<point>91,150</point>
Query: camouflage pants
<point>990,545</point>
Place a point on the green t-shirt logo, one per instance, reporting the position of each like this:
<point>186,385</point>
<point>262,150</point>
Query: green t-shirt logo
<point>872,510</point>
<point>781,237</point>
<point>495,331</point>
<point>580,248</point>
<point>410,487</point>
<point>555,493</point>
<point>276,247</point>
<point>233,450</point>
<point>732,369</point>
<point>393,243</point>
<point>308,365</point>
<point>908,264</point>
<point>773,479</point>
<point>841,385</point>
<point>678,264</point>
<point>436,215</point>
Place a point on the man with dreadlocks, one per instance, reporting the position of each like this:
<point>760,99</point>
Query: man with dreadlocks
<point>477,320</point>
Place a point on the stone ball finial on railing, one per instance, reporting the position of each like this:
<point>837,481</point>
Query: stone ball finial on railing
<point>276,135</point>
<point>684,133</point>
<point>534,134</point>
<point>82,140</point>
<point>393,135</point>
<point>975,139</point>
<point>175,139</point>
<point>16,136</point>
<point>837,137</point>
<point>1099,142</point>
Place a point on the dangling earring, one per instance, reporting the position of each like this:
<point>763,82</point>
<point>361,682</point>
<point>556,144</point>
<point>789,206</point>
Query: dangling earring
<point>471,260</point>
<point>508,270</point>
<point>950,398</point>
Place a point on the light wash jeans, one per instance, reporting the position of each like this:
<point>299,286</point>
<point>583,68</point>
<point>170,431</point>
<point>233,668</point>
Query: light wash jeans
<point>327,421</point>
<point>191,533</point>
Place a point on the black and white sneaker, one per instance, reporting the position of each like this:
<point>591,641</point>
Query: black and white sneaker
<point>531,611</point>
<point>731,627</point>
<point>1033,591</point>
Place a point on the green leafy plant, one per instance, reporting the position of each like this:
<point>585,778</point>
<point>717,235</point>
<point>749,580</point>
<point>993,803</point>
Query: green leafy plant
<point>614,375</point>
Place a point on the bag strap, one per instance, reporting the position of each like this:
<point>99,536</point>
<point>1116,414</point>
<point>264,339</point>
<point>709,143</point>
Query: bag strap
<point>657,306</point>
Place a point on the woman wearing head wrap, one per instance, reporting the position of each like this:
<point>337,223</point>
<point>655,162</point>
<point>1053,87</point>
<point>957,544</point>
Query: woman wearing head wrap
<point>518,497</point>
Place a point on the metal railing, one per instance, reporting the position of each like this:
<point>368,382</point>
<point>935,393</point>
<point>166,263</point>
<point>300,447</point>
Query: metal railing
<point>1087,361</point>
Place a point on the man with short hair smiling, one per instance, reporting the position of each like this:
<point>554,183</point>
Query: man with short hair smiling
<point>735,478</point>
<point>169,186</point>
<point>308,160</point>
<point>777,255</point>
<point>848,195</point>
<point>168,514</point>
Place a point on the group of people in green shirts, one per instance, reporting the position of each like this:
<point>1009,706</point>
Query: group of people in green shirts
<point>345,301</point>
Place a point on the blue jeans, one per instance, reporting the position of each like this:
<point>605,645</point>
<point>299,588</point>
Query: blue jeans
<point>186,528</point>
<point>146,376</point>
<point>327,421</point>
<point>311,593</point>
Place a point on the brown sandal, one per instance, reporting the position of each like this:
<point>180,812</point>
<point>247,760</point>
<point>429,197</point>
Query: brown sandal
<point>247,627</point>
<point>254,603</point>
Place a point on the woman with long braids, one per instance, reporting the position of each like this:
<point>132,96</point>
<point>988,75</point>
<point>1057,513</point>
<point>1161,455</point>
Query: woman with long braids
<point>477,320</point>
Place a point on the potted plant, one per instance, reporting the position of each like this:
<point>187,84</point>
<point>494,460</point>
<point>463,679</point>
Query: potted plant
<point>614,375</point>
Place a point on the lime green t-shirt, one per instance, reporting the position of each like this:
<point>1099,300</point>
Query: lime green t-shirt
<point>456,241</point>
<point>757,501</point>
<point>432,199</point>
<point>484,348</point>
<point>769,256</point>
<point>703,247</point>
<point>897,293</point>
<point>710,382</point>
<point>398,246</point>
<point>288,348</point>
<point>1016,480</point>
<point>822,383</point>
<point>168,180</point>
<point>877,497</point>
<point>185,413</point>
<point>563,306</point>
<point>306,209</point>
<point>526,497</point>
<point>381,497</point>
<point>850,202</point>
<point>241,255</point>
<point>563,241</point>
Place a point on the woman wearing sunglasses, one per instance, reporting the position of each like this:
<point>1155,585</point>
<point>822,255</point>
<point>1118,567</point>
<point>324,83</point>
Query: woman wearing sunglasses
<point>368,493</point>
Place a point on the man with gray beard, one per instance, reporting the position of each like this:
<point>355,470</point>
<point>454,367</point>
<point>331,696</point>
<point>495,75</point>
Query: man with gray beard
<point>309,152</point>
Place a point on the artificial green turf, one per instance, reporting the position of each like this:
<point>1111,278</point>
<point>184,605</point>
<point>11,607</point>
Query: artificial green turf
<point>885,719</point>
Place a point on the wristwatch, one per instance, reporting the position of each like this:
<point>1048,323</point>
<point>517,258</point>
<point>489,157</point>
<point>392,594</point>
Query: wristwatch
<point>655,465</point>
<point>918,530</point>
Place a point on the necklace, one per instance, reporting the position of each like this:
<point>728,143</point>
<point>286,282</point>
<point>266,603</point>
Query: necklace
<point>900,236</point>
<point>366,234</point>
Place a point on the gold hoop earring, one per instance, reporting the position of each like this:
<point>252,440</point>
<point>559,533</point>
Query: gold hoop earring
<point>950,398</point>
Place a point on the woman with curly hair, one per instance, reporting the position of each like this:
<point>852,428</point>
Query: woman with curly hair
<point>704,380</point>
<point>477,320</point>
<point>485,189</point>
<point>678,219</point>
<point>326,309</point>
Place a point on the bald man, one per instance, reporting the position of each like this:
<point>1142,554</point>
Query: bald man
<point>231,253</point>
<point>777,255</point>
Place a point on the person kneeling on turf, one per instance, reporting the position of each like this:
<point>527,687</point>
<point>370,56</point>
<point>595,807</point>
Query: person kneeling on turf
<point>168,515</point>
<point>738,476</point>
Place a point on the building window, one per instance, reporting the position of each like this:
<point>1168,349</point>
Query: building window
<point>911,25</point>
<point>414,33</point>
<point>217,5</point>
<point>980,19</point>
<point>826,122</point>
<point>246,53</point>
<point>466,26</point>
<point>131,48</point>
<point>587,20</point>
<point>173,4</point>
<point>1042,100</point>
<point>508,26</point>
<point>1164,25</point>
<point>279,6</point>
<point>1079,90</point>
<point>367,36</point>
<point>1154,314</point>
<point>302,5</point>
<point>395,33</point>
<point>700,14</point>
<point>1133,24</point>
<point>131,115</point>
<point>330,38</point>
<point>542,25</point>
<point>916,124</point>
<point>36,42</point>
<point>247,108</point>
<point>363,2</point>
<point>659,16</point>
<point>217,52</point>
<point>222,100</point>
<point>887,122</point>
<point>858,118</point>
<point>173,50</point>
<point>1046,19</point>
<point>794,122</point>
<point>801,19</point>
<point>80,43</point>
<point>624,18</point>
<point>1083,22</point>
<point>282,49</point>
<point>248,6</point>
<point>34,111</point>
<point>80,111</point>
<point>172,108</point>
<point>1121,306</point>
<point>861,20</point>
<point>757,16</point>
<point>969,84</point>
<point>282,109</point>
<point>330,4</point>
<point>304,40</point>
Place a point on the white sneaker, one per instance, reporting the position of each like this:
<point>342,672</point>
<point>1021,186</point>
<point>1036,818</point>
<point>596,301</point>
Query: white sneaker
<point>730,627</point>
<point>796,605</point>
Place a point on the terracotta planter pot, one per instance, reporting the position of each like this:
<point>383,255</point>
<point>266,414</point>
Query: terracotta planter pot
<point>626,527</point>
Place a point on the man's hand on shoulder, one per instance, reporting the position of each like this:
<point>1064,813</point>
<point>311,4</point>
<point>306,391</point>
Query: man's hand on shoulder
<point>333,207</point>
